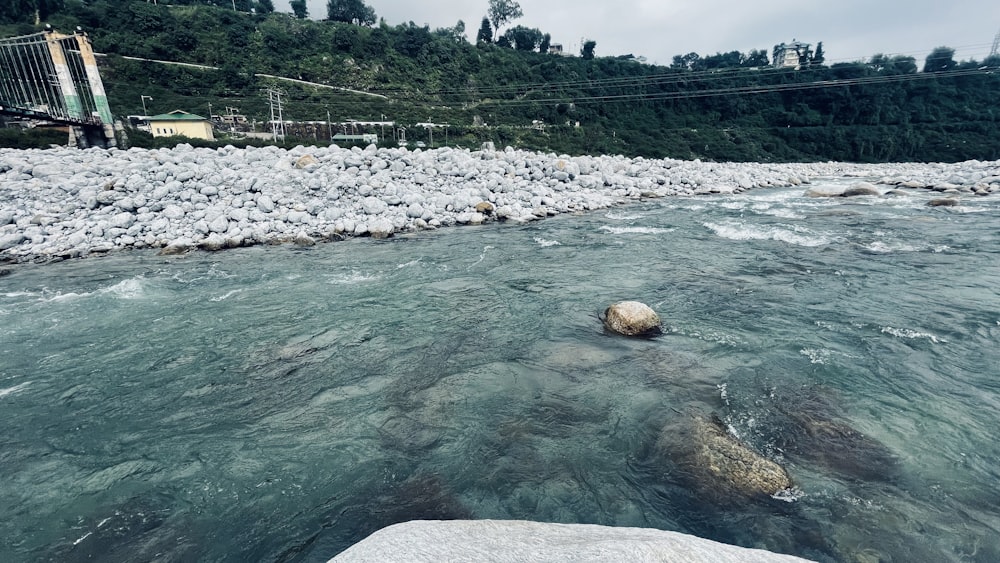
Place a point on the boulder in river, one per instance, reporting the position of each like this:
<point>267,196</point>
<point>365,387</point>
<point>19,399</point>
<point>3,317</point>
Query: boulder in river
<point>631,318</point>
<point>718,463</point>
<point>943,202</point>
<point>824,191</point>
<point>495,541</point>
<point>861,189</point>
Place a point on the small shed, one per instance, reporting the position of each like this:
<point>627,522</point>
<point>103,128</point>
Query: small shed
<point>181,123</point>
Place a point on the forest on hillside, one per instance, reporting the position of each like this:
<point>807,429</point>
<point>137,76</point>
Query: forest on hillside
<point>508,89</point>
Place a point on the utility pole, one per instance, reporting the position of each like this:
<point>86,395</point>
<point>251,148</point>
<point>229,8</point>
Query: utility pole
<point>329,126</point>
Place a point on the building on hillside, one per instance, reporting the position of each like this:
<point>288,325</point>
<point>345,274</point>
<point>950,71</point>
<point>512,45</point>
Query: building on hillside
<point>790,55</point>
<point>556,49</point>
<point>181,123</point>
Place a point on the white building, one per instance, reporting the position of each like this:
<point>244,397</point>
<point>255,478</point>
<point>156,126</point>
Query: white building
<point>789,55</point>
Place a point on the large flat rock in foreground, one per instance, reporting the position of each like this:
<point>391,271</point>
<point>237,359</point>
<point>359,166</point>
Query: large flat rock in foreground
<point>496,541</point>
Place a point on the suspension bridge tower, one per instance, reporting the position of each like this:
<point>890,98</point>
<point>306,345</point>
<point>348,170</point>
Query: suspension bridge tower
<point>54,77</point>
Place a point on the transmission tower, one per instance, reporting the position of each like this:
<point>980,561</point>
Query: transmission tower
<point>996,46</point>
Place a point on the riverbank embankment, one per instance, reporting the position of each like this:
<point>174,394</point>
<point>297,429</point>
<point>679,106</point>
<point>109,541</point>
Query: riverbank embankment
<point>65,203</point>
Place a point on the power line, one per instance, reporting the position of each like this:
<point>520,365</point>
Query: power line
<point>747,90</point>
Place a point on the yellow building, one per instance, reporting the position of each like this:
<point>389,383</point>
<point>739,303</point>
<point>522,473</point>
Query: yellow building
<point>182,123</point>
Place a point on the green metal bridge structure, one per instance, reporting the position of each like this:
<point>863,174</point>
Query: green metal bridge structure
<point>53,77</point>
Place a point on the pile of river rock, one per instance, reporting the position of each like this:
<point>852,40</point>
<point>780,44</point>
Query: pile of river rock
<point>64,203</point>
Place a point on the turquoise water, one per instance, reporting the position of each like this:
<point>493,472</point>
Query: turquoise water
<point>279,404</point>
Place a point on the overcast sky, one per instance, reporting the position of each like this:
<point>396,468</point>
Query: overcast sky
<point>657,29</point>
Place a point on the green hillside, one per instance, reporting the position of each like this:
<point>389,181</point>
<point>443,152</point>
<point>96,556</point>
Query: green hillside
<point>721,107</point>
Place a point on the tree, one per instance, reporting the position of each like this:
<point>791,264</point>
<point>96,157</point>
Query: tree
<point>904,65</point>
<point>524,38</point>
<point>299,8</point>
<point>941,59</point>
<point>485,34</point>
<point>587,51</point>
<point>350,11</point>
<point>29,10</point>
<point>818,57</point>
<point>543,47</point>
<point>264,7</point>
<point>756,58</point>
<point>502,12</point>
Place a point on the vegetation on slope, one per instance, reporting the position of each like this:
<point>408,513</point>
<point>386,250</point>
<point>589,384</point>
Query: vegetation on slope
<point>729,106</point>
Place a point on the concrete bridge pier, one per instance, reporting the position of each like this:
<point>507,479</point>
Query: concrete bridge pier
<point>92,136</point>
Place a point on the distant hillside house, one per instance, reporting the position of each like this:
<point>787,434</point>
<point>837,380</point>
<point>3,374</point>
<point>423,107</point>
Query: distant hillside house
<point>182,123</point>
<point>556,49</point>
<point>789,55</point>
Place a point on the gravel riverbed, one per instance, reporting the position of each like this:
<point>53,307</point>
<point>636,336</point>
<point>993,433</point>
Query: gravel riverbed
<point>67,203</point>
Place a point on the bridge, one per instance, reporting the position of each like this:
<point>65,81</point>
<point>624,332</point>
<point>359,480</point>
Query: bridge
<point>54,77</point>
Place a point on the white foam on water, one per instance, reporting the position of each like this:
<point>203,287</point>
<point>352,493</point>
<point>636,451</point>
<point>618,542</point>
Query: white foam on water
<point>14,389</point>
<point>354,277</point>
<point>227,295</point>
<point>880,247</point>
<point>482,256</point>
<point>723,392</point>
<point>546,243</point>
<point>967,209</point>
<point>816,355</point>
<point>622,216</point>
<point>60,297</point>
<point>789,495</point>
<point>863,503</point>
<point>798,236</point>
<point>408,264</point>
<point>131,288</point>
<point>635,230</point>
<point>83,537</point>
<point>780,212</point>
<point>911,334</point>
<point>19,294</point>
<point>710,336</point>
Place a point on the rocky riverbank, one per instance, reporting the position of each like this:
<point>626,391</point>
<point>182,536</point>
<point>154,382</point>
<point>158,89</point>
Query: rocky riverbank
<point>67,203</point>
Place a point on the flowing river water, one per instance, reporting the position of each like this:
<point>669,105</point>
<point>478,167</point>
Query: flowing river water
<point>280,404</point>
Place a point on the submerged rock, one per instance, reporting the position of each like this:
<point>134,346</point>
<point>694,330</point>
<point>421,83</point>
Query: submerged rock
<point>943,202</point>
<point>807,426</point>
<point>632,318</point>
<point>719,464</point>
<point>817,432</point>
<point>861,189</point>
<point>824,191</point>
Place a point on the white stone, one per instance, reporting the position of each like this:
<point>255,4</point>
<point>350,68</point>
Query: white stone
<point>374,206</point>
<point>499,541</point>
<point>123,220</point>
<point>265,204</point>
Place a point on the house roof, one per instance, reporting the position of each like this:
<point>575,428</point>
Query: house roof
<point>177,115</point>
